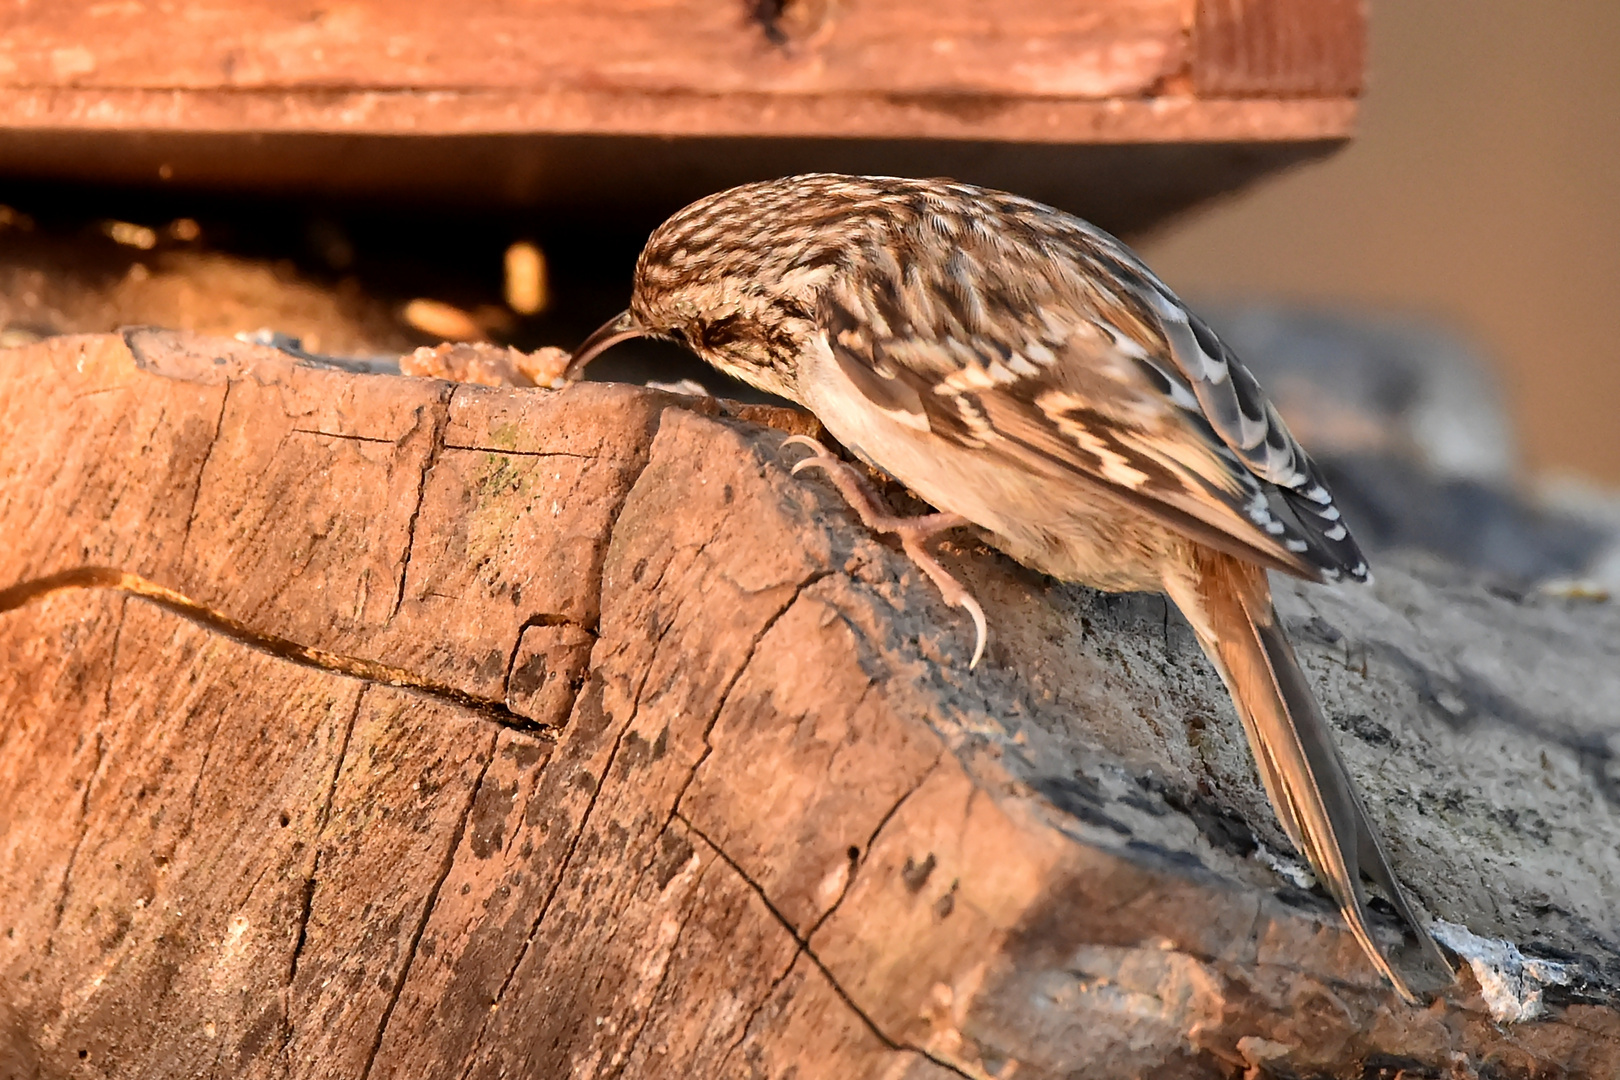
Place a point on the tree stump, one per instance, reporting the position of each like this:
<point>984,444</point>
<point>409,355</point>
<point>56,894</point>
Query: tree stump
<point>365,726</point>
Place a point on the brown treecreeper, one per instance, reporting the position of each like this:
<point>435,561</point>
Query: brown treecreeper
<point>1024,372</point>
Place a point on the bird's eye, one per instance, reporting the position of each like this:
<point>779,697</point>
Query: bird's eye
<point>720,332</point>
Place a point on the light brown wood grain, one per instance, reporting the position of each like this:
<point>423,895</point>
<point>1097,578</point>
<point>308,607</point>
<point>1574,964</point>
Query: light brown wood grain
<point>1279,48</point>
<point>1066,48</point>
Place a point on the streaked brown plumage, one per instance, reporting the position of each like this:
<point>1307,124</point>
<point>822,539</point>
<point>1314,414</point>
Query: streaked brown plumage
<point>1018,367</point>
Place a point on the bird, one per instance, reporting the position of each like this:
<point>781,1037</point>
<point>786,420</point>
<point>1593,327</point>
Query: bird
<point>1024,373</point>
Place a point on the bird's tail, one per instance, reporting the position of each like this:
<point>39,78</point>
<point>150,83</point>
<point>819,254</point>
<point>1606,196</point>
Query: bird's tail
<point>1229,607</point>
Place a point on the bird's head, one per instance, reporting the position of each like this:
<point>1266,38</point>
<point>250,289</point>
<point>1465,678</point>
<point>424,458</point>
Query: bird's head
<point>736,278</point>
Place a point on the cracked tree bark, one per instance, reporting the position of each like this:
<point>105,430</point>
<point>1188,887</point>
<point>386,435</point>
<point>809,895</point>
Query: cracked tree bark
<point>362,726</point>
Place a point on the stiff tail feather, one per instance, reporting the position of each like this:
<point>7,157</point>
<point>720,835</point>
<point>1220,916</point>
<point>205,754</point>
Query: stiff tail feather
<point>1229,607</point>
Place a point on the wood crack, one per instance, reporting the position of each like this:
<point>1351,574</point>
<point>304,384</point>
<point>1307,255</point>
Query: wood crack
<point>320,832</point>
<point>542,619</point>
<point>84,808</point>
<point>344,436</point>
<point>371,671</point>
<point>520,453</point>
<point>725,693</point>
<point>440,410</point>
<point>870,840</point>
<point>551,895</point>
<point>428,906</point>
<point>628,1051</point>
<point>567,860</point>
<point>809,954</point>
<point>202,772</point>
<point>708,748</point>
<point>810,934</point>
<point>202,468</point>
<point>759,1006</point>
<point>596,791</point>
<point>89,781</point>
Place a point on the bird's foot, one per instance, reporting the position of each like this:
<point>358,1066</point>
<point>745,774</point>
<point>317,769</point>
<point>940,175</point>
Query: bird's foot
<point>911,531</point>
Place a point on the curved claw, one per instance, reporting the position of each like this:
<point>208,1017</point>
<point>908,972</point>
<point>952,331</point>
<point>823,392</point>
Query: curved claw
<point>912,531</point>
<point>808,443</point>
<point>822,456</point>
<point>981,629</point>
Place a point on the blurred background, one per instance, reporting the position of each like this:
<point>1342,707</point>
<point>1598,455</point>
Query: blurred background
<point>1482,189</point>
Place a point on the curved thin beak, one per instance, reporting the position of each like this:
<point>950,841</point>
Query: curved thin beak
<point>622,327</point>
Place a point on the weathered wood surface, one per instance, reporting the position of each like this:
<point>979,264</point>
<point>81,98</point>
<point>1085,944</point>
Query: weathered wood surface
<point>1083,50</point>
<point>593,103</point>
<point>366,726</point>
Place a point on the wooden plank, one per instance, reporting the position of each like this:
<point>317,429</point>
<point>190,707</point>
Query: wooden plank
<point>1279,48</point>
<point>639,105</point>
<point>681,67</point>
<point>1060,48</point>
<point>1071,49</point>
<point>999,117</point>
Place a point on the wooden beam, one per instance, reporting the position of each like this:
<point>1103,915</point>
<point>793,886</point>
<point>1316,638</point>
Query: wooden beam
<point>1058,48</point>
<point>717,93</point>
<point>841,114</point>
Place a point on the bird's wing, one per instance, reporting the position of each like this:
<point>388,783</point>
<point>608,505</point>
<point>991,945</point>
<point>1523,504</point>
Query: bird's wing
<point>1076,362</point>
